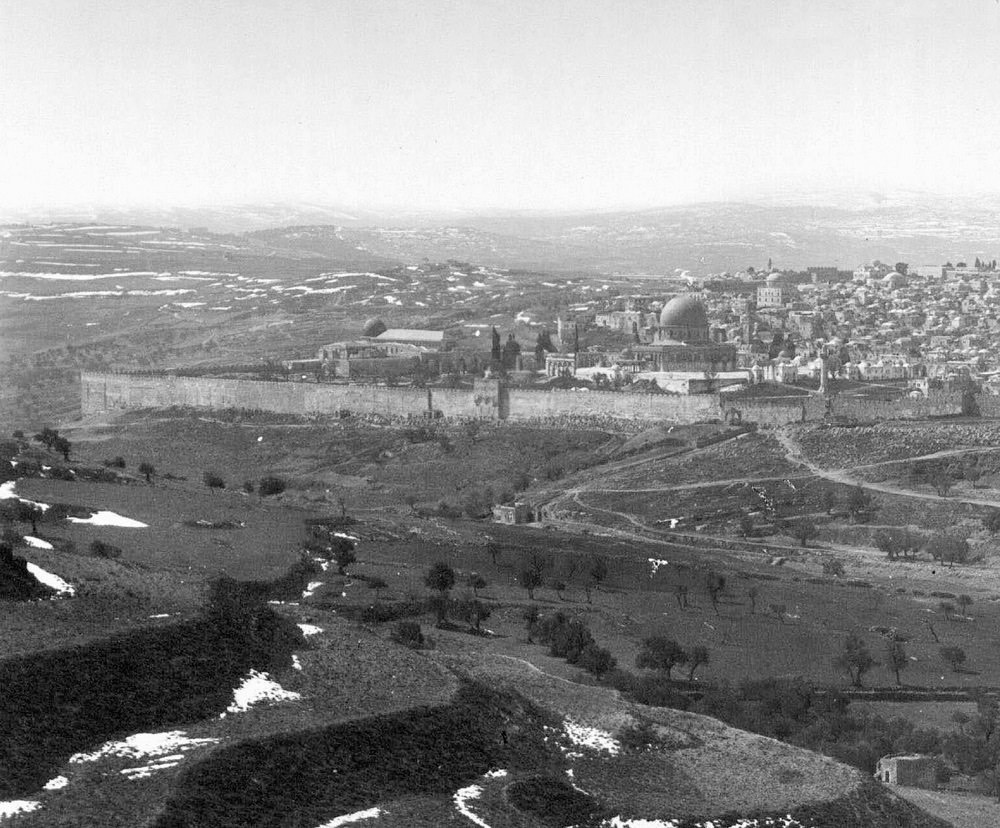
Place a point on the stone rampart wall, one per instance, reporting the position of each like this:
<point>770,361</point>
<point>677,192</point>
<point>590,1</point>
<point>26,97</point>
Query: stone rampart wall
<point>865,410</point>
<point>527,404</point>
<point>491,401</point>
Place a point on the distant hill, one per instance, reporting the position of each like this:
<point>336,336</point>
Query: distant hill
<point>794,231</point>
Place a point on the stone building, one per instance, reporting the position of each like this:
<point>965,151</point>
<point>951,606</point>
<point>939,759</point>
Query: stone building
<point>912,770</point>
<point>773,293</point>
<point>683,341</point>
<point>518,513</point>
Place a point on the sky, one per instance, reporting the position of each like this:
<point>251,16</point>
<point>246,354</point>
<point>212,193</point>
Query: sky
<point>492,104</point>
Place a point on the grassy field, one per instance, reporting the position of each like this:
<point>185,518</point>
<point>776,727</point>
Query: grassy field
<point>398,546</point>
<point>922,714</point>
<point>164,569</point>
<point>324,461</point>
<point>958,809</point>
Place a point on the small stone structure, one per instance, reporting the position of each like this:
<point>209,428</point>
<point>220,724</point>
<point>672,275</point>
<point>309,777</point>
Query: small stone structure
<point>912,770</point>
<point>518,513</point>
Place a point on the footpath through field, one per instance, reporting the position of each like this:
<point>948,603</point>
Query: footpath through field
<point>592,481</point>
<point>794,453</point>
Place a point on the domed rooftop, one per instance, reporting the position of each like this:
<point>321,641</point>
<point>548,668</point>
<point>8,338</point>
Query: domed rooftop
<point>374,327</point>
<point>683,312</point>
<point>775,278</point>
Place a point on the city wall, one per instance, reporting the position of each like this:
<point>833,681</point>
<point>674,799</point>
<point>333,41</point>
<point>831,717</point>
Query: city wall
<point>867,410</point>
<point>107,392</point>
<point>488,400</point>
<point>527,404</point>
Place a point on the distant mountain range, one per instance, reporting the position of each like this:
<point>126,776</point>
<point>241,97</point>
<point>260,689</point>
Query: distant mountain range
<point>794,231</point>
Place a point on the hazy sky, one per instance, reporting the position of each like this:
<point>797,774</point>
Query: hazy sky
<point>493,103</point>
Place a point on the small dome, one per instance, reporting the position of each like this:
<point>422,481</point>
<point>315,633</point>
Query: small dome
<point>775,279</point>
<point>374,327</point>
<point>683,311</point>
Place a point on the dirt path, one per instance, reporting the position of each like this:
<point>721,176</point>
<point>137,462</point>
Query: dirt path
<point>793,452</point>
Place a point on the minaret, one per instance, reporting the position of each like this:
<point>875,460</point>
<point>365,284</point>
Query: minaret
<point>824,370</point>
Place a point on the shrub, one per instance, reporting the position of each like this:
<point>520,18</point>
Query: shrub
<point>855,660</point>
<point>248,486</point>
<point>641,737</point>
<point>955,656</point>
<point>447,510</point>
<point>530,579</point>
<point>473,612</point>
<point>379,614</point>
<point>270,485</point>
<point>478,503</point>
<point>596,660</point>
<point>660,653</point>
<point>833,567</point>
<point>440,577</point>
<point>569,640</point>
<point>100,549</point>
<point>213,480</point>
<point>656,691</point>
<point>408,634</point>
<point>531,617</point>
<point>553,801</point>
<point>343,554</point>
<point>804,530</point>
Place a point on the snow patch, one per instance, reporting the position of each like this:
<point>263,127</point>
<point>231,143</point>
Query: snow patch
<point>147,770</point>
<point>348,819</point>
<point>591,737</point>
<point>37,543</point>
<point>462,797</point>
<point>655,564</point>
<point>141,745</point>
<point>311,589</point>
<point>55,784</point>
<point>106,518</point>
<point>346,537</point>
<point>12,807</point>
<point>50,580</point>
<point>310,629</point>
<point>7,492</point>
<point>256,689</point>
